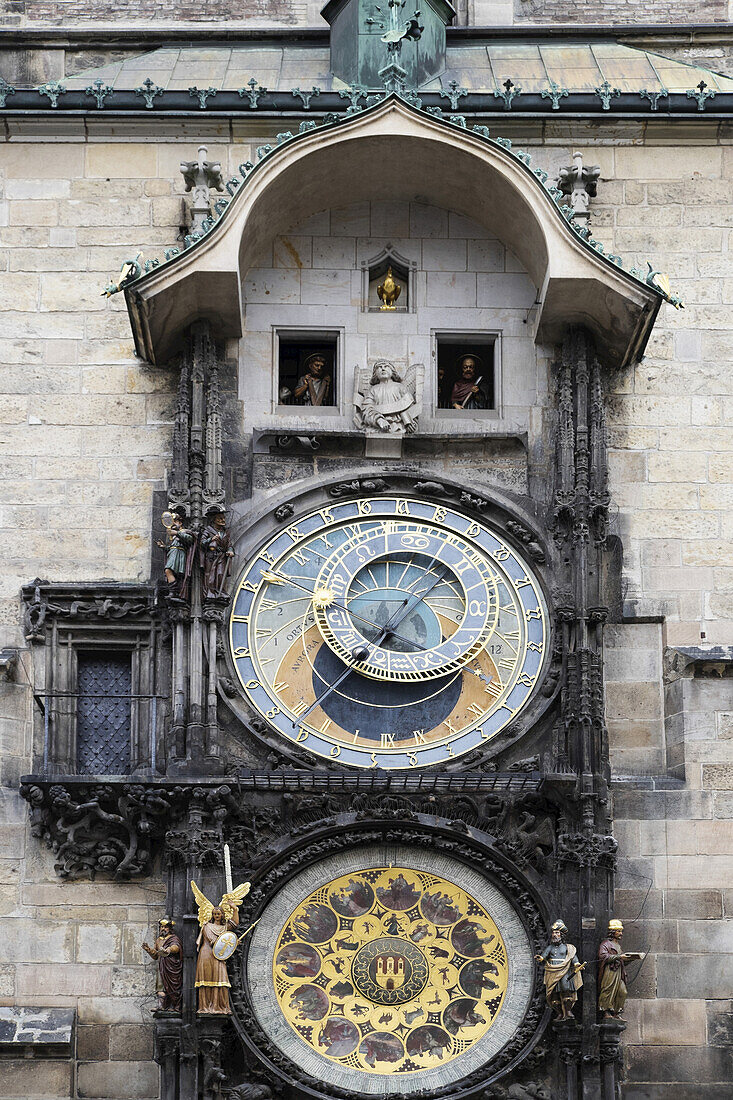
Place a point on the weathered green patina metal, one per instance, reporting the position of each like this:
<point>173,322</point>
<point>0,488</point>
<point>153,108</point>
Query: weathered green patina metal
<point>359,52</point>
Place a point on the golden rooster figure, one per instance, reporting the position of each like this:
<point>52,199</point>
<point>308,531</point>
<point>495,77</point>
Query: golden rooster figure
<point>389,291</point>
<point>212,980</point>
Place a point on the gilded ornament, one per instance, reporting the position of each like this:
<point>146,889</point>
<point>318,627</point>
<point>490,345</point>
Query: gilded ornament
<point>389,291</point>
<point>390,970</point>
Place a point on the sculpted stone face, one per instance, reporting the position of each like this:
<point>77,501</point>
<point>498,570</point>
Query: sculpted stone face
<point>217,916</point>
<point>383,372</point>
<point>556,935</point>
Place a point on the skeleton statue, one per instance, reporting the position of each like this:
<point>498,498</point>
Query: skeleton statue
<point>385,401</point>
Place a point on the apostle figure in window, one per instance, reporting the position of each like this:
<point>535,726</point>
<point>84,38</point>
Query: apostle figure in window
<point>215,554</point>
<point>469,391</point>
<point>443,402</point>
<point>314,385</point>
<point>168,953</point>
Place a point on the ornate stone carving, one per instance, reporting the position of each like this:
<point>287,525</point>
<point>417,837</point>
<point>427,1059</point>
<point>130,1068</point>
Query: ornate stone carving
<point>105,601</point>
<point>579,182</point>
<point>586,851</point>
<point>201,176</point>
<point>358,485</point>
<point>95,828</point>
<point>388,398</point>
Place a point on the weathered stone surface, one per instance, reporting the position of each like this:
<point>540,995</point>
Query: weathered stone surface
<point>36,1028</point>
<point>680,1063</point>
<point>92,1042</point>
<point>30,1080</point>
<point>673,1023</point>
<point>131,1042</point>
<point>694,976</point>
<point>102,1080</point>
<point>693,904</point>
<point>62,980</point>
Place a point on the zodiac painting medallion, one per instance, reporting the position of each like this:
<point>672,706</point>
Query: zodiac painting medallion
<point>390,970</point>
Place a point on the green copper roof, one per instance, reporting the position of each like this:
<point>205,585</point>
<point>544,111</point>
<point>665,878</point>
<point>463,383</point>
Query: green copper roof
<point>577,67</point>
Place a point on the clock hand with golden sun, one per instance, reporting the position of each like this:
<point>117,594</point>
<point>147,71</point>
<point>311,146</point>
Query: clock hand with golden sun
<point>323,595</point>
<point>406,608</point>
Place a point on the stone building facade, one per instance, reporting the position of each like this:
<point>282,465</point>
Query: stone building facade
<point>100,437</point>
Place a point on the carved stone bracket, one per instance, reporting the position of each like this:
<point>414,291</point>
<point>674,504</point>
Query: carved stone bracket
<point>103,828</point>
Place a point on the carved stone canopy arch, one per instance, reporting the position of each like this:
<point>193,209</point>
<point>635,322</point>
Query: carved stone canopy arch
<point>402,269</point>
<point>456,169</point>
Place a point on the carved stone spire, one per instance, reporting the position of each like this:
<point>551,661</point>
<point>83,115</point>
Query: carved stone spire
<point>178,491</point>
<point>201,176</point>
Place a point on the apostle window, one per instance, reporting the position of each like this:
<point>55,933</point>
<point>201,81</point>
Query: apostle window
<point>307,369</point>
<point>466,369</point>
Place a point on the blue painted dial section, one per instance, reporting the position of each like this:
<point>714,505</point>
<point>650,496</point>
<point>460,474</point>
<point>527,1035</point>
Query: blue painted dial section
<point>473,600</point>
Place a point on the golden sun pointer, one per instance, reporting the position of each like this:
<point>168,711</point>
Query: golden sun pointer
<point>323,597</point>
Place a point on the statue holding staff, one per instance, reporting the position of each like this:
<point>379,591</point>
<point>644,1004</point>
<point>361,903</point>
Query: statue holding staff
<point>562,972</point>
<point>168,953</point>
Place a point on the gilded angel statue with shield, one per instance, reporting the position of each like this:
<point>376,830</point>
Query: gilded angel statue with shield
<point>217,941</point>
<point>386,399</point>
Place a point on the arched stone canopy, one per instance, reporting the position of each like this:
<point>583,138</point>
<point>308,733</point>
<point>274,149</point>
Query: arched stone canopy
<point>395,151</point>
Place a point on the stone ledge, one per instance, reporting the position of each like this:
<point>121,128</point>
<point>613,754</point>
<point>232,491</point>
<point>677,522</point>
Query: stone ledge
<point>36,1032</point>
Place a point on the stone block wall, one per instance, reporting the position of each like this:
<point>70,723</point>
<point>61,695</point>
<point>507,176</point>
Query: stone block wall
<point>83,447</point>
<point>464,282</point>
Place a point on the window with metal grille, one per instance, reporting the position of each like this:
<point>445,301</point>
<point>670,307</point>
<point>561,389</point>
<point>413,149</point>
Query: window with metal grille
<point>103,715</point>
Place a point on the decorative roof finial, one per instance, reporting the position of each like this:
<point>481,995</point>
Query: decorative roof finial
<point>200,176</point>
<point>579,183</point>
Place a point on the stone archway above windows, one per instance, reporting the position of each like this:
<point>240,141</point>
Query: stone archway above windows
<point>456,168</point>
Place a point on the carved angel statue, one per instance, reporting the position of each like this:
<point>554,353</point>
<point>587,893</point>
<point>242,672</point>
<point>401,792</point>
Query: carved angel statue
<point>384,402</point>
<point>212,980</point>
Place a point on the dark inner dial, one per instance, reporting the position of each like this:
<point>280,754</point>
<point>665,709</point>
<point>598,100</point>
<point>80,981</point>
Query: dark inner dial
<point>379,592</point>
<point>359,703</point>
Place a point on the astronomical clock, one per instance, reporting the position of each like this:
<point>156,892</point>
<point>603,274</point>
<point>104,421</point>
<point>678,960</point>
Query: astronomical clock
<point>395,970</point>
<point>388,632</point>
<point>378,640</point>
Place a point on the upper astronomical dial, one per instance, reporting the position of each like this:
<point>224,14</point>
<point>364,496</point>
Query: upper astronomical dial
<point>388,632</point>
<point>406,601</point>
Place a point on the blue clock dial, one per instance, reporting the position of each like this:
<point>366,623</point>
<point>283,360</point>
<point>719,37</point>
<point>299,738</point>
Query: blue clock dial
<point>388,632</point>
